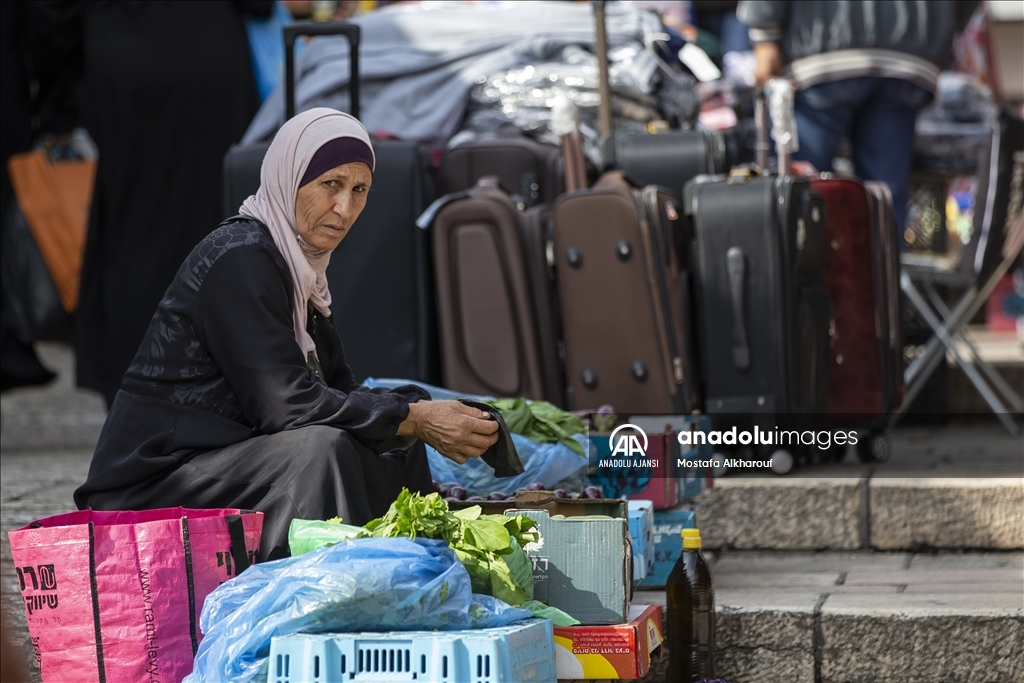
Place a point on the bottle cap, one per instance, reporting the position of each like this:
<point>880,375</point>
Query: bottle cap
<point>691,539</point>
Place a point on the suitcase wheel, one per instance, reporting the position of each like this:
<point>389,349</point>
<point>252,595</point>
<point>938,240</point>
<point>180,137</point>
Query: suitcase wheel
<point>837,452</point>
<point>782,461</point>
<point>623,249</point>
<point>639,371</point>
<point>877,447</point>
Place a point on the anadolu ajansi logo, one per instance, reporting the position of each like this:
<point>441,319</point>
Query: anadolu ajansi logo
<point>628,445</point>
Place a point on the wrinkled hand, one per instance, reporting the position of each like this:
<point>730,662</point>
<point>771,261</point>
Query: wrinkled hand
<point>457,431</point>
<point>767,62</point>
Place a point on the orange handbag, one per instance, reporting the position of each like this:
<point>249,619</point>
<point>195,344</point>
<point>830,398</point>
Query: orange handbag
<point>54,197</point>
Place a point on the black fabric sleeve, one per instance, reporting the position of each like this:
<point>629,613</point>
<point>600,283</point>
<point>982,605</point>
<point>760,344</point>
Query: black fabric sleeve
<point>242,317</point>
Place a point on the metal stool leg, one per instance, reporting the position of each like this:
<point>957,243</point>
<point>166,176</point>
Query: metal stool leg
<point>946,340</point>
<point>990,373</point>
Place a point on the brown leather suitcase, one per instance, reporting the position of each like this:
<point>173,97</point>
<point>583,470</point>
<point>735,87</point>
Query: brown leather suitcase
<point>497,330</point>
<point>622,289</point>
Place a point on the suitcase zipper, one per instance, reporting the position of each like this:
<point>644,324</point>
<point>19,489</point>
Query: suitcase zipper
<point>651,216</point>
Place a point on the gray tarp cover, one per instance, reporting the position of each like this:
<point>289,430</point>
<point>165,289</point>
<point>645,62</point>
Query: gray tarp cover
<point>419,63</point>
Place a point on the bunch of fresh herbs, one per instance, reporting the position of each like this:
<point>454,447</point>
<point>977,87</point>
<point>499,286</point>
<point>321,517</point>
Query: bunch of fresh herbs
<point>490,546</point>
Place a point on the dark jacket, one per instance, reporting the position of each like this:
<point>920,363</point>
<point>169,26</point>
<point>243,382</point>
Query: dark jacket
<point>828,40</point>
<point>219,364</point>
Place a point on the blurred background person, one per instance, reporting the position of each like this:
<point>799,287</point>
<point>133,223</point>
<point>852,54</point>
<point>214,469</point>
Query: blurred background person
<point>23,118</point>
<point>863,70</point>
<point>164,88</point>
<point>718,17</point>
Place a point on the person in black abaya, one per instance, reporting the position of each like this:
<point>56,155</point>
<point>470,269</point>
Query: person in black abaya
<point>19,365</point>
<point>164,88</point>
<point>240,396</point>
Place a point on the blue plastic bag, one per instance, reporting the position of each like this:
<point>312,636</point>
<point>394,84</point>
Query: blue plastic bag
<point>373,584</point>
<point>266,48</point>
<point>547,463</point>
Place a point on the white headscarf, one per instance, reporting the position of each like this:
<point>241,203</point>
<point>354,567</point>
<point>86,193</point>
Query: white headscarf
<point>274,204</point>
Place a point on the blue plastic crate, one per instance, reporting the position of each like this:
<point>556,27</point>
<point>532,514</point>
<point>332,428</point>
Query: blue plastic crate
<point>521,653</point>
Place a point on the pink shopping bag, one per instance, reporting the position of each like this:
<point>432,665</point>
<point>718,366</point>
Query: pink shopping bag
<point>115,597</point>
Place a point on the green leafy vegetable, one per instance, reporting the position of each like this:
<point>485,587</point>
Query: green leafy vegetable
<point>490,546</point>
<point>557,616</point>
<point>540,421</point>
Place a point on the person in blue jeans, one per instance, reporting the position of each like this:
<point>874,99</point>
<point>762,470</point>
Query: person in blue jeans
<point>862,70</point>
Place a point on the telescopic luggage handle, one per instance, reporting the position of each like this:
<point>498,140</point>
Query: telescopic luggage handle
<point>604,90</point>
<point>320,28</point>
<point>777,96</point>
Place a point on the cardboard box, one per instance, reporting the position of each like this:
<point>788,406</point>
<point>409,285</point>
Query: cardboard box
<point>621,651</point>
<point>582,565</point>
<point>668,544</point>
<point>641,533</point>
<point>546,500</point>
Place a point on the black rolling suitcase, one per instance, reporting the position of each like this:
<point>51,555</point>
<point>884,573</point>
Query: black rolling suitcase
<point>669,159</point>
<point>666,159</point>
<point>762,310</point>
<point>381,277</point>
<point>529,170</point>
<point>497,326</point>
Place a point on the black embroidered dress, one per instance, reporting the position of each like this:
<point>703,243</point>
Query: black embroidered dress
<point>219,409</point>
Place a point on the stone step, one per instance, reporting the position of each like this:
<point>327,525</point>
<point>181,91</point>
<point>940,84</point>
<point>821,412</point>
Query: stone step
<point>845,514</point>
<point>871,617</point>
<point>957,487</point>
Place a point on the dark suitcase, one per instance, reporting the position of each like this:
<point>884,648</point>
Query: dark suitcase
<point>887,280</point>
<point>763,312</point>
<point>381,277</point>
<point>862,280</point>
<point>497,330</point>
<point>529,170</point>
<point>670,159</point>
<point>622,294</point>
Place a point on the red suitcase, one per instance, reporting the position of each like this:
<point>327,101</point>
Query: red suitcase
<point>862,280</point>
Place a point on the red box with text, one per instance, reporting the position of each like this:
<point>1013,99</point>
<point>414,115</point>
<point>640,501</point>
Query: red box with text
<point>619,651</point>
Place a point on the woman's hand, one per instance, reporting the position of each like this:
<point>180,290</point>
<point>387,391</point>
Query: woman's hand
<point>457,431</point>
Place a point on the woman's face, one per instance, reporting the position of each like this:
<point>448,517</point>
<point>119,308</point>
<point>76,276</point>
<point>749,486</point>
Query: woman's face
<point>326,207</point>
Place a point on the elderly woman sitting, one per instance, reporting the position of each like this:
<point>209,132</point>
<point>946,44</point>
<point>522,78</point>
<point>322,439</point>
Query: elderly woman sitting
<point>239,395</point>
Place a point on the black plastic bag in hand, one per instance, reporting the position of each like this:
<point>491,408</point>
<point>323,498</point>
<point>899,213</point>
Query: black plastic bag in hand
<point>502,456</point>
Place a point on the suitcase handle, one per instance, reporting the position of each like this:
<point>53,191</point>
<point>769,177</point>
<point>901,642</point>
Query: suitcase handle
<point>320,28</point>
<point>737,268</point>
<point>776,95</point>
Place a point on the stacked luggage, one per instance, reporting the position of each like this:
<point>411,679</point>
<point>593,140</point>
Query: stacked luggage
<point>671,283</point>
